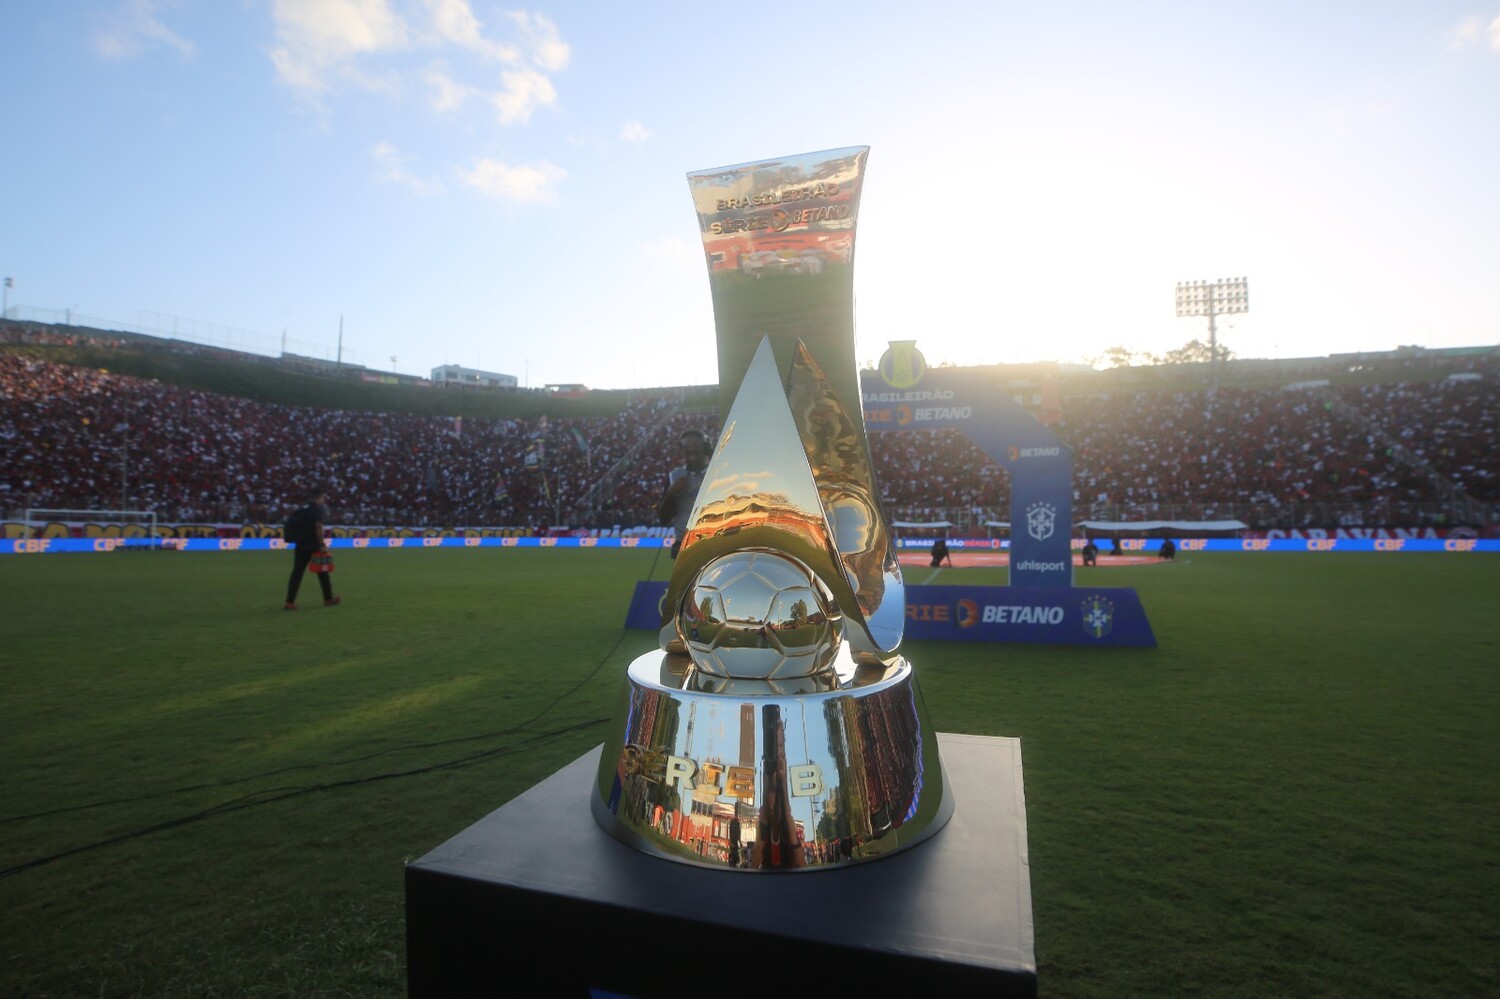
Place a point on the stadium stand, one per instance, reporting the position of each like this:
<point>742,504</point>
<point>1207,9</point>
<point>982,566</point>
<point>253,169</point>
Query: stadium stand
<point>1406,452</point>
<point>1451,425</point>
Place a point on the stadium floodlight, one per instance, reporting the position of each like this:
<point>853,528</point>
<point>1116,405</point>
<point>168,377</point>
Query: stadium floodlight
<point>1226,296</point>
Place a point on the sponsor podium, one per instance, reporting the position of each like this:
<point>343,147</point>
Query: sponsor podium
<point>1036,615</point>
<point>537,899</point>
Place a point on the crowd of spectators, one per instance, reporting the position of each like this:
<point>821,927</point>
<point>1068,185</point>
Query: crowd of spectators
<point>79,438</point>
<point>1241,449</point>
<point>1453,425</point>
<point>925,475</point>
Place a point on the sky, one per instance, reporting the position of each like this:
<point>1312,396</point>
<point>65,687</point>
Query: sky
<point>456,181</point>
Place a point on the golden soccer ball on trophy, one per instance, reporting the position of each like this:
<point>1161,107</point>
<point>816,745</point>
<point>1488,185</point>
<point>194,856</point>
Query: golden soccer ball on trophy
<point>759,615</point>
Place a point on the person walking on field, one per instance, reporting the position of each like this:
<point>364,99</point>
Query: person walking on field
<point>304,531</point>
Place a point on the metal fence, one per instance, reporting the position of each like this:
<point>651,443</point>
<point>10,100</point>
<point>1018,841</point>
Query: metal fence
<point>195,331</point>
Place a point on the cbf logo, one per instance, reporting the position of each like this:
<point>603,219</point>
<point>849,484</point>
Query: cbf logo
<point>1041,518</point>
<point>902,365</point>
<point>1098,616</point>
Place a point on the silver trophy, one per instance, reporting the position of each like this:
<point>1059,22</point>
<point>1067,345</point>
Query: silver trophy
<point>778,727</point>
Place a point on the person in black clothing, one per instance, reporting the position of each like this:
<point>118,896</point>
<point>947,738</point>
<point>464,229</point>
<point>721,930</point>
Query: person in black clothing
<point>304,532</point>
<point>1168,549</point>
<point>677,502</point>
<point>1090,552</point>
<point>940,552</point>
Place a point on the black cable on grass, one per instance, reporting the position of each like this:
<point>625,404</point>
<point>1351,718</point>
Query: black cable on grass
<point>230,782</point>
<point>269,795</point>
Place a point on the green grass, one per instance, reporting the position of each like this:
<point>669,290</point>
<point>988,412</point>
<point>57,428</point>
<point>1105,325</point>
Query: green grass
<point>1294,794</point>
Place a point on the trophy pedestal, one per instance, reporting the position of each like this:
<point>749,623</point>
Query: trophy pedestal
<point>537,877</point>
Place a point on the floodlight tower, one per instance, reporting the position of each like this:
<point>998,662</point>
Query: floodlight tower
<point>1223,297</point>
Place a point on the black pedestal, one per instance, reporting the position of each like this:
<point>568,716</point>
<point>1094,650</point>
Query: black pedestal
<point>487,911</point>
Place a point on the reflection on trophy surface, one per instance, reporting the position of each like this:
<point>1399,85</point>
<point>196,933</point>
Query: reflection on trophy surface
<point>778,727</point>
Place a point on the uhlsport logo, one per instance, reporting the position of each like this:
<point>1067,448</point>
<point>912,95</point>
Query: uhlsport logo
<point>968,613</point>
<point>1041,518</point>
<point>902,365</point>
<point>1098,616</point>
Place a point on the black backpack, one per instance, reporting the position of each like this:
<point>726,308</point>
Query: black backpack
<point>299,527</point>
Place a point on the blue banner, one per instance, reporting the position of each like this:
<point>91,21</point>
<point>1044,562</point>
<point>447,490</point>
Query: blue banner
<point>1039,463</point>
<point>645,605</point>
<point>17,546</point>
<point>1185,546</point>
<point>1043,615</point>
<point>1036,615</point>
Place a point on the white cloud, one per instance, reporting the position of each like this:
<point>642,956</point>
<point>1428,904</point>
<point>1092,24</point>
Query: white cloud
<point>134,28</point>
<point>545,45</point>
<point>1472,31</point>
<point>634,131</point>
<point>317,37</point>
<point>455,22</point>
<point>526,183</point>
<point>392,170</point>
<point>320,43</point>
<point>524,91</point>
<point>447,93</point>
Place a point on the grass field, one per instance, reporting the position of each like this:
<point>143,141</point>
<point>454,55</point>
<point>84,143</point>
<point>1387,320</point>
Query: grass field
<point>1295,794</point>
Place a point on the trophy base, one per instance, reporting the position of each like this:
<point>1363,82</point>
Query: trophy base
<point>485,911</point>
<point>771,775</point>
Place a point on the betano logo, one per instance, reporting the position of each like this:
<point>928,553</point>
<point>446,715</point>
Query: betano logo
<point>1021,614</point>
<point>968,613</point>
